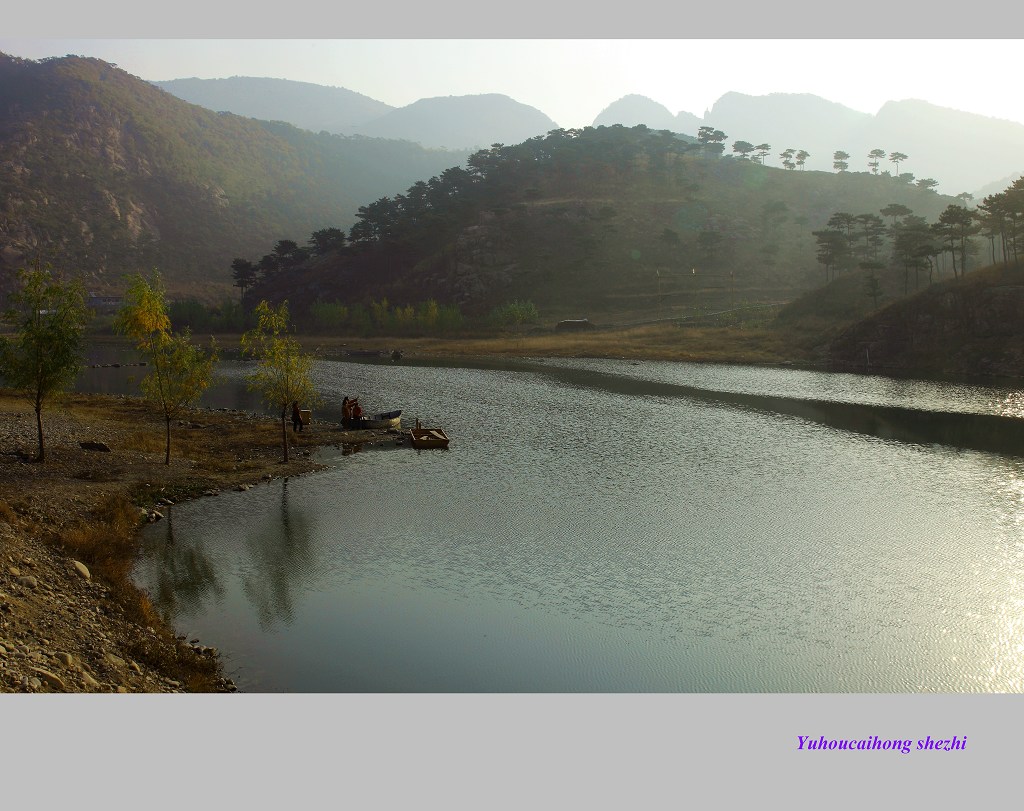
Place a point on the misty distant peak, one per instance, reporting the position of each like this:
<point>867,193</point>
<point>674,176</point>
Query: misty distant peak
<point>634,109</point>
<point>922,107</point>
<point>308,106</point>
<point>460,122</point>
<point>472,100</point>
<point>800,103</point>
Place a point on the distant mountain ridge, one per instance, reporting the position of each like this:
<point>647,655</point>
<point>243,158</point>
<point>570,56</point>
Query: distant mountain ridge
<point>446,122</point>
<point>307,106</point>
<point>635,109</point>
<point>471,122</point>
<point>964,152</point>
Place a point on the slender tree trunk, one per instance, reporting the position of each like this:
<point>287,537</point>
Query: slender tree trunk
<point>39,429</point>
<point>284,434</point>
<point>167,452</point>
<point>1010,242</point>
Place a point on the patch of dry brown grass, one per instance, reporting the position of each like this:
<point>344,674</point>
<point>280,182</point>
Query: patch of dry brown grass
<point>108,544</point>
<point>107,541</point>
<point>8,514</point>
<point>664,341</point>
<point>145,442</point>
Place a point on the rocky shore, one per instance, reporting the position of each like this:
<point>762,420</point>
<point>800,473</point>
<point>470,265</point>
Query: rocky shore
<point>70,620</point>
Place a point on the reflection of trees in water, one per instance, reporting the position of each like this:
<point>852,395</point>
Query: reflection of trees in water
<point>281,554</point>
<point>184,577</point>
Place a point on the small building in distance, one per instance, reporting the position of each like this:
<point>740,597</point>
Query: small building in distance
<point>574,325</point>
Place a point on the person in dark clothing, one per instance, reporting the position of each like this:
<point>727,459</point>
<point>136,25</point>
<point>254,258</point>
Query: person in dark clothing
<point>296,417</point>
<point>346,413</point>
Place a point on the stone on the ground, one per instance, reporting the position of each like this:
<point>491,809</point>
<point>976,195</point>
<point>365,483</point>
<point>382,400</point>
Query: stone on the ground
<point>82,569</point>
<point>52,679</point>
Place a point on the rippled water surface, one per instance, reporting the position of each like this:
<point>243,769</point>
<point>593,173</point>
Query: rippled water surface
<point>599,526</point>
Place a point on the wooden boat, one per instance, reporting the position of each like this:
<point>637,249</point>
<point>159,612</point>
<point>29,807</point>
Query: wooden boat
<point>428,438</point>
<point>387,419</point>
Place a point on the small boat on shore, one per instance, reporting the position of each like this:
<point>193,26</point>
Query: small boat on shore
<point>428,438</point>
<point>387,419</point>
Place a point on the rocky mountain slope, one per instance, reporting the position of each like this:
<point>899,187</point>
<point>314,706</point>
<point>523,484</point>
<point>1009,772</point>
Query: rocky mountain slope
<point>102,174</point>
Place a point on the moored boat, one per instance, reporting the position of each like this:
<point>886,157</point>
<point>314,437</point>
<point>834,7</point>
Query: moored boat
<point>428,438</point>
<point>386,419</point>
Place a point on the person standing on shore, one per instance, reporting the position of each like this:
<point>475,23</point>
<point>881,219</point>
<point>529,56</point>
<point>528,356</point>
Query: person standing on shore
<point>296,417</point>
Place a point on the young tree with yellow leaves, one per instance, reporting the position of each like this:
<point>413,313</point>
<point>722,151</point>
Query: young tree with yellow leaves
<point>182,371</point>
<point>283,371</point>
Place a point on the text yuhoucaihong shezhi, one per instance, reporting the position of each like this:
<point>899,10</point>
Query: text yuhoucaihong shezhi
<point>927,744</point>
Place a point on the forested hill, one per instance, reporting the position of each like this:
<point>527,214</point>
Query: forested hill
<point>102,173</point>
<point>611,223</point>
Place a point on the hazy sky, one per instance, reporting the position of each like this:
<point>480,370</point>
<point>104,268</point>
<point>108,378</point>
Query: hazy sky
<point>572,80</point>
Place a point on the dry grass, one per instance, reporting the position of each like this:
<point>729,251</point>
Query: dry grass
<point>8,514</point>
<point>665,341</point>
<point>106,542</point>
<point>144,442</point>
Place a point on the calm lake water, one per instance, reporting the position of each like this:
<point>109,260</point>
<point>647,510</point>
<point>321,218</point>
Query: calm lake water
<point>612,526</point>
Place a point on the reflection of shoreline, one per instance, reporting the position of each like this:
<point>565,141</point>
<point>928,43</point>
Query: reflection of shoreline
<point>983,432</point>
